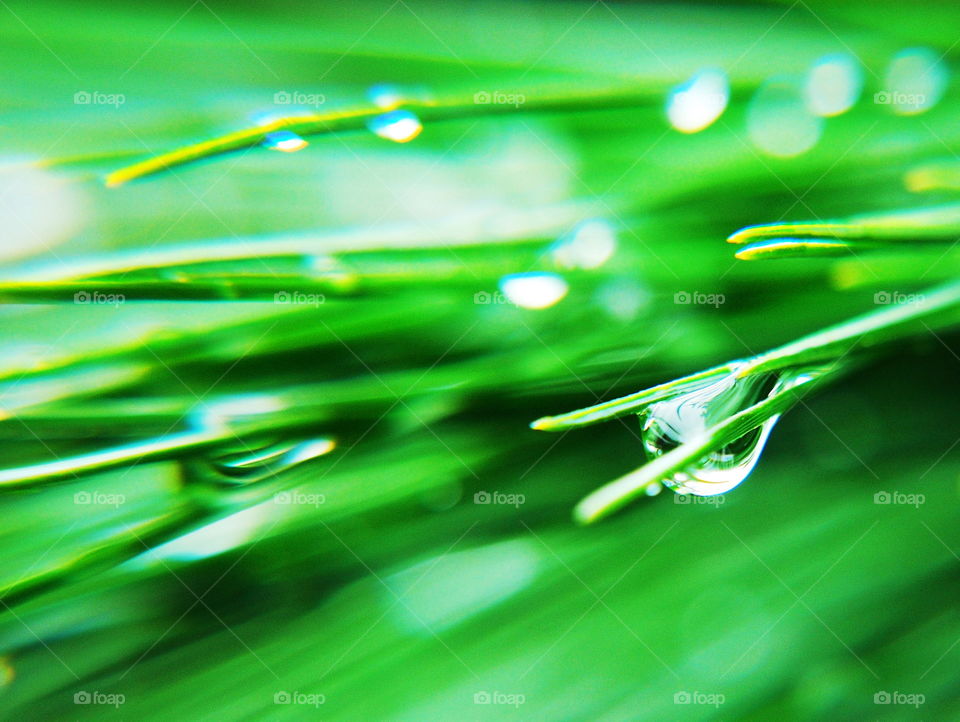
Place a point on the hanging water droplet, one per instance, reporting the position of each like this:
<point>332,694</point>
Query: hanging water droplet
<point>667,424</point>
<point>400,126</point>
<point>243,466</point>
<point>285,141</point>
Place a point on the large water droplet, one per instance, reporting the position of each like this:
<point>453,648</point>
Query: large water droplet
<point>244,466</point>
<point>285,141</point>
<point>667,424</point>
<point>400,126</point>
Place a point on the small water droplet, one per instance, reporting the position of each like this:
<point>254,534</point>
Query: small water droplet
<point>833,85</point>
<point>697,103</point>
<point>400,126</point>
<point>668,424</point>
<point>285,141</point>
<point>534,290</point>
<point>590,245</point>
<point>914,82</point>
<point>778,120</point>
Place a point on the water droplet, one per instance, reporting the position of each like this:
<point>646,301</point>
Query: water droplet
<point>667,424</point>
<point>285,141</point>
<point>833,85</point>
<point>590,245</point>
<point>697,103</point>
<point>243,466</point>
<point>779,122</point>
<point>534,290</point>
<point>400,126</point>
<point>914,83</point>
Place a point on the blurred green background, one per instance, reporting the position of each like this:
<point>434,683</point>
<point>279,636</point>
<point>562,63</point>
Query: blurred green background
<point>515,259</point>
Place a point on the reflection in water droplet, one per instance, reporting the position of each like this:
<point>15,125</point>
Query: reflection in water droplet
<point>697,103</point>
<point>590,245</point>
<point>779,122</point>
<point>244,466</point>
<point>667,424</point>
<point>534,290</point>
<point>400,126</point>
<point>833,85</point>
<point>284,140</point>
<point>914,83</point>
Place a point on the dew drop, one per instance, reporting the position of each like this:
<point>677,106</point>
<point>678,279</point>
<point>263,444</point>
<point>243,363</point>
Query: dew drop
<point>833,85</point>
<point>534,290</point>
<point>668,424</point>
<point>285,141</point>
<point>400,126</point>
<point>590,245</point>
<point>779,122</point>
<point>697,103</point>
<point>914,82</point>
